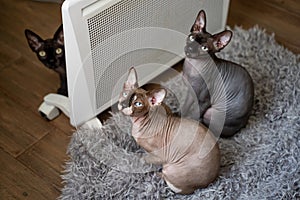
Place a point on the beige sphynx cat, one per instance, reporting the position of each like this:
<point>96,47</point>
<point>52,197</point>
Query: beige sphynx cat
<point>187,150</point>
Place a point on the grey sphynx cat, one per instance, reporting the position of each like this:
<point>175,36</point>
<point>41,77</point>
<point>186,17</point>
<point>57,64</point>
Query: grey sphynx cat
<point>224,89</point>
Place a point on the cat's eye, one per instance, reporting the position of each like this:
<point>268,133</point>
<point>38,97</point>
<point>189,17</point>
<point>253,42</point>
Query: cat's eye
<point>204,48</point>
<point>42,53</point>
<point>192,38</point>
<point>124,94</point>
<point>138,104</point>
<point>58,51</point>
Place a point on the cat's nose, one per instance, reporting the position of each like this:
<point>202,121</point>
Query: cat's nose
<point>193,47</point>
<point>123,104</point>
<point>190,49</point>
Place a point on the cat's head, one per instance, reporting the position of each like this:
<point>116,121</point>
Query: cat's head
<point>50,51</point>
<point>199,42</point>
<point>135,101</point>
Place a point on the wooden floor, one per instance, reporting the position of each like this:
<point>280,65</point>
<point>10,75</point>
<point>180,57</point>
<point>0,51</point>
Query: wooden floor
<point>33,150</point>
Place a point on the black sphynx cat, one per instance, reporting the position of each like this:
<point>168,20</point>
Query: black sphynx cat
<point>224,89</point>
<point>51,53</point>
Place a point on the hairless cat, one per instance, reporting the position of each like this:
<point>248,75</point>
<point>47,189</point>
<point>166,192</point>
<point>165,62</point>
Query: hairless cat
<point>51,53</point>
<point>187,150</point>
<point>224,89</point>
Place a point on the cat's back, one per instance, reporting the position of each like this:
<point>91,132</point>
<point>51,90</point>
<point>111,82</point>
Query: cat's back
<point>197,150</point>
<point>189,129</point>
<point>233,70</point>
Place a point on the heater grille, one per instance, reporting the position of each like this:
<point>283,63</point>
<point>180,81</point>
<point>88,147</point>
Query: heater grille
<point>133,32</point>
<point>112,79</point>
<point>132,14</point>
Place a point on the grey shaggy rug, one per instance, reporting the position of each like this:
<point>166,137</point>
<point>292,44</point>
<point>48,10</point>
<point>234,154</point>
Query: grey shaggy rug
<point>260,162</point>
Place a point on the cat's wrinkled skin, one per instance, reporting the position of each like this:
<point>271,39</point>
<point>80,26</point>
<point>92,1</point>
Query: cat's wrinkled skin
<point>223,88</point>
<point>51,53</point>
<point>187,150</point>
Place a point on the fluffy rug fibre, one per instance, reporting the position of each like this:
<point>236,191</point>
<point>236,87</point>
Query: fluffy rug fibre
<point>260,162</point>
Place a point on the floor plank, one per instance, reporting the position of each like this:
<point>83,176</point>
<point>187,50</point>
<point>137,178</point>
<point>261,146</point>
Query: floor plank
<point>62,122</point>
<point>287,6</point>
<point>28,82</point>
<point>285,24</point>
<point>8,55</point>
<point>47,157</point>
<point>20,128</point>
<point>18,182</point>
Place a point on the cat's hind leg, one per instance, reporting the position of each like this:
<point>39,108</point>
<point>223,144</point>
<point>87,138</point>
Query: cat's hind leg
<point>222,125</point>
<point>172,187</point>
<point>215,120</point>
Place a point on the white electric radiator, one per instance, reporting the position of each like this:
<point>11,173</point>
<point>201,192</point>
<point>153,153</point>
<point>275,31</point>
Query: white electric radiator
<point>104,38</point>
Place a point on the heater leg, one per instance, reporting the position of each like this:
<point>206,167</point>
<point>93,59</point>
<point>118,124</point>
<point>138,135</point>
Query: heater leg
<point>48,111</point>
<point>55,102</point>
<point>92,124</point>
<point>59,101</point>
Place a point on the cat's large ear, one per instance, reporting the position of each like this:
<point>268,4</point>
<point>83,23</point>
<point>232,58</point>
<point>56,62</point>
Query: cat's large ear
<point>131,82</point>
<point>200,23</point>
<point>59,35</point>
<point>156,96</point>
<point>34,41</point>
<point>221,40</point>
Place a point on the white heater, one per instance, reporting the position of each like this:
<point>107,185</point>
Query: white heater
<point>104,38</point>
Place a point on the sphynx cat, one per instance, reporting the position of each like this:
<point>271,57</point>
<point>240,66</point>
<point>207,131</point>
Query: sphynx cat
<point>187,150</point>
<point>224,89</point>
